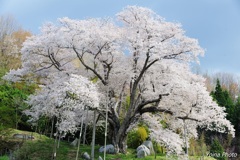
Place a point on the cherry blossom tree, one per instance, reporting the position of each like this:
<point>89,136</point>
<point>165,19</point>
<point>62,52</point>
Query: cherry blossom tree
<point>64,99</point>
<point>141,59</point>
<point>192,107</point>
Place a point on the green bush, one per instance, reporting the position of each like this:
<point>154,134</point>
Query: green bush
<point>137,137</point>
<point>12,103</point>
<point>160,150</point>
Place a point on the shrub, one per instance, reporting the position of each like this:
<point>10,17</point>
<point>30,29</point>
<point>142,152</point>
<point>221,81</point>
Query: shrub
<point>160,150</point>
<point>137,137</point>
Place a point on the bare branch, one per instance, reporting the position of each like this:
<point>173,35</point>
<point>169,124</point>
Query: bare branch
<point>88,67</point>
<point>44,68</point>
<point>153,109</point>
<point>188,118</point>
<point>174,55</point>
<point>100,50</point>
<point>157,100</point>
<point>169,37</point>
<point>121,97</point>
<point>53,60</point>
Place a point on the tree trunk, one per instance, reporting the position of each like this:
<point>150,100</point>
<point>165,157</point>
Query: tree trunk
<point>55,148</point>
<point>51,134</point>
<point>59,138</point>
<point>85,128</point>
<point>119,136</point>
<point>119,142</point>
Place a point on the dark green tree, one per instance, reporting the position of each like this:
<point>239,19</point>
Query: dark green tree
<point>235,117</point>
<point>217,150</point>
<point>12,103</point>
<point>218,95</point>
<point>222,97</point>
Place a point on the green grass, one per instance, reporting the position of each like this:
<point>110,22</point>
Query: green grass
<point>43,150</point>
<point>4,158</point>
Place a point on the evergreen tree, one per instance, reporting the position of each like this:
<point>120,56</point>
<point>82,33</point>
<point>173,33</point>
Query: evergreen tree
<point>217,150</point>
<point>218,94</point>
<point>235,117</point>
<point>222,97</point>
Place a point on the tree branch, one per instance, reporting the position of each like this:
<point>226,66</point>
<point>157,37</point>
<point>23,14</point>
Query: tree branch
<point>44,68</point>
<point>174,55</point>
<point>188,118</point>
<point>54,61</point>
<point>100,50</point>
<point>153,109</point>
<point>121,97</point>
<point>88,67</point>
<point>144,103</point>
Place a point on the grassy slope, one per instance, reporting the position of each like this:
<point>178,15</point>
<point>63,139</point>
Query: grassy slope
<point>41,148</point>
<point>35,135</point>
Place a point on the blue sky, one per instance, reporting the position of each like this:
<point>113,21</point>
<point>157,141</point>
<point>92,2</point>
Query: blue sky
<point>215,23</point>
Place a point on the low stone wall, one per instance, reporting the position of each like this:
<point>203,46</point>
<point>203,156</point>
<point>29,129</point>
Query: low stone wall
<point>23,136</point>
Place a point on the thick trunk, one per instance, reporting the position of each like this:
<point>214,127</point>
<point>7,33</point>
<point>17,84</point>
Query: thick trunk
<point>119,137</point>
<point>120,143</point>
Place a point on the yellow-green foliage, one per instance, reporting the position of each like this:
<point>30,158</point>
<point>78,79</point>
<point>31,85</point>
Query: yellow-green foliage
<point>137,136</point>
<point>164,124</point>
<point>126,104</point>
<point>142,133</point>
<point>125,107</point>
<point>94,79</point>
<point>161,150</point>
<point>5,132</point>
<point>198,147</point>
<point>193,147</point>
